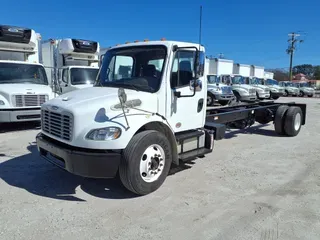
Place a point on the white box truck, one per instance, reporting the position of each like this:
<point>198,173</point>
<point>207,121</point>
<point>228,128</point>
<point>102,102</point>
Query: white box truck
<point>218,89</point>
<point>257,81</point>
<point>138,125</point>
<point>75,63</point>
<point>24,85</point>
<point>241,83</point>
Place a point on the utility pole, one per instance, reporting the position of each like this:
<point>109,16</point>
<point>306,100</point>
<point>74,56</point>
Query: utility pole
<point>293,39</point>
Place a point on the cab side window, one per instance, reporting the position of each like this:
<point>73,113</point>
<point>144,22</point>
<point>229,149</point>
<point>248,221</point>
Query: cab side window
<point>183,68</point>
<point>65,75</point>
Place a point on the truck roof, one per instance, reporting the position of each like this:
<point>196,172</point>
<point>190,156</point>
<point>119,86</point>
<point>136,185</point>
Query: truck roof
<point>158,42</point>
<point>19,62</point>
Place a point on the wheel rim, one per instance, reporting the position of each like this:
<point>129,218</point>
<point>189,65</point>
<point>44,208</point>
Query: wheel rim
<point>152,163</point>
<point>297,122</point>
<point>209,100</point>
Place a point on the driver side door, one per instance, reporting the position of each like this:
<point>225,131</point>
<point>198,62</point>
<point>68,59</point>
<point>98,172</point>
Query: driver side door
<point>186,113</point>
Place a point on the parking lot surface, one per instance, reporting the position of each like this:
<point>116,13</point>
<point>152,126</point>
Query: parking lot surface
<point>255,185</point>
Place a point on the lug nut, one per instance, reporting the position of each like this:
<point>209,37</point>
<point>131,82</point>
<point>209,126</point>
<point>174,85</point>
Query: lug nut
<point>159,169</point>
<point>161,164</point>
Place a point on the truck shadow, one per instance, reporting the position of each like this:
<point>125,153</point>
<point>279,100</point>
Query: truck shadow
<point>19,126</point>
<point>39,177</point>
<point>257,130</point>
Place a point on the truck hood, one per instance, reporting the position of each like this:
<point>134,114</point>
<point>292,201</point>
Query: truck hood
<point>308,89</point>
<point>276,87</point>
<point>244,86</point>
<point>7,90</point>
<point>89,101</point>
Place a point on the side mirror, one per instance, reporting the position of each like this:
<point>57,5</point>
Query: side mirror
<point>197,84</point>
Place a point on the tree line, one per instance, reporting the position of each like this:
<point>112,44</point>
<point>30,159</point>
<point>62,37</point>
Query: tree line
<point>312,72</point>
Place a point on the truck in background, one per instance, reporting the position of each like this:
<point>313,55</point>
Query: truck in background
<point>268,75</point>
<point>218,90</point>
<point>141,124</point>
<point>257,81</point>
<point>289,89</point>
<point>276,90</point>
<point>241,83</point>
<point>305,89</point>
<point>24,86</point>
<point>75,63</point>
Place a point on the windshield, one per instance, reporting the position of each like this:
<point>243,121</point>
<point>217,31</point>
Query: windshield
<point>271,82</point>
<point>237,79</point>
<point>83,75</point>
<point>304,84</point>
<point>226,79</point>
<point>289,84</point>
<point>22,73</point>
<point>258,81</point>
<point>138,68</point>
<point>213,79</point>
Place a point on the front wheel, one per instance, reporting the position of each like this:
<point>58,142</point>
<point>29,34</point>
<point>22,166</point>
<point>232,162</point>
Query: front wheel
<point>210,99</point>
<point>146,162</point>
<point>286,93</point>
<point>275,97</point>
<point>301,94</point>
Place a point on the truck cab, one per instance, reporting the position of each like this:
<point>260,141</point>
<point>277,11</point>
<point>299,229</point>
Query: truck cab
<point>263,92</point>
<point>242,89</point>
<point>305,89</point>
<point>75,63</point>
<point>219,89</point>
<point>275,90</point>
<point>24,85</point>
<point>289,89</point>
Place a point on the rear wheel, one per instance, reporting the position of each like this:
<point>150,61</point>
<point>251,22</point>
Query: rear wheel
<point>293,120</point>
<point>286,93</point>
<point>279,119</point>
<point>301,94</point>
<point>310,95</point>
<point>146,162</point>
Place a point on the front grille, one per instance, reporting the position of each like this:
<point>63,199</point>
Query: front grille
<point>57,124</point>
<point>226,90</point>
<point>252,91</point>
<point>30,100</point>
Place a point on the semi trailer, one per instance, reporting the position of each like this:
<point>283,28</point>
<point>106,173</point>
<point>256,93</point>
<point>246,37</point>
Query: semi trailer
<point>70,63</point>
<point>140,124</point>
<point>24,85</point>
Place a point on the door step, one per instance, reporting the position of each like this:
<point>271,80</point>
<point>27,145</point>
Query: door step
<point>180,137</point>
<point>191,155</point>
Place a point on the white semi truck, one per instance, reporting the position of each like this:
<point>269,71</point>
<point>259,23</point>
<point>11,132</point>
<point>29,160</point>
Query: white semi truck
<point>139,124</point>
<point>24,85</point>
<point>218,90</point>
<point>71,64</point>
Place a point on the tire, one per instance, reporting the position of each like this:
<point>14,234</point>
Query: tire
<point>293,120</point>
<point>310,95</point>
<point>210,99</point>
<point>275,97</point>
<point>279,119</point>
<point>237,95</point>
<point>134,156</point>
<point>286,93</point>
<point>301,94</point>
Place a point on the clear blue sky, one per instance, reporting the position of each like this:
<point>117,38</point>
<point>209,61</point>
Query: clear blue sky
<point>247,31</point>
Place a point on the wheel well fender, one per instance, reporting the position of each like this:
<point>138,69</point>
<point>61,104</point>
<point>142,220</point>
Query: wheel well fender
<point>164,129</point>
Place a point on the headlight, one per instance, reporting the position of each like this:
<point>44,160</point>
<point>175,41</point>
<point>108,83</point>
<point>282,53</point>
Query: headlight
<point>108,133</point>
<point>1,102</point>
<point>260,90</point>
